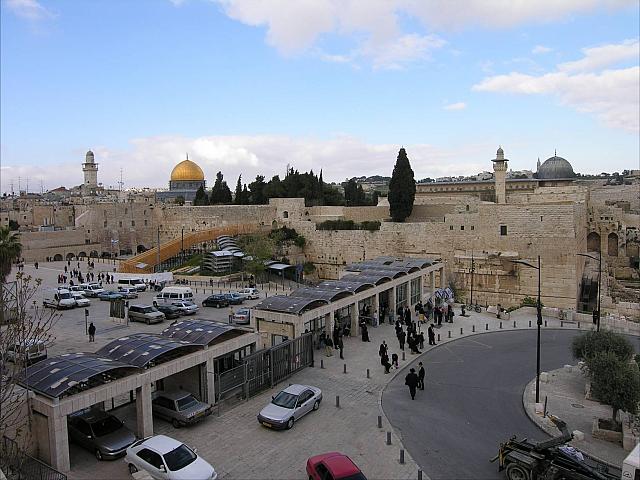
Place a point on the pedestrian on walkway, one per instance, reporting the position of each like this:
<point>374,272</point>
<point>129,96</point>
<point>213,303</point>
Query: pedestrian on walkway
<point>421,376</point>
<point>36,265</point>
<point>365,333</point>
<point>432,335</point>
<point>398,327</point>
<point>322,339</point>
<point>384,361</point>
<point>420,338</point>
<point>336,334</point>
<point>328,347</point>
<point>394,359</point>
<point>340,346</point>
<point>450,313</point>
<point>231,313</point>
<point>92,332</point>
<point>383,348</point>
<point>411,380</point>
<point>401,339</point>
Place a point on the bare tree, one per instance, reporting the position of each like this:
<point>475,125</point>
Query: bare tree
<point>30,324</point>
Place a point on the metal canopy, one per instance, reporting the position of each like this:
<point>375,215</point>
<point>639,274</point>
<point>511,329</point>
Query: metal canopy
<point>145,350</point>
<point>285,304</point>
<point>368,277</point>
<point>351,286</point>
<point>71,373</point>
<point>279,266</point>
<point>200,332</point>
<point>326,294</point>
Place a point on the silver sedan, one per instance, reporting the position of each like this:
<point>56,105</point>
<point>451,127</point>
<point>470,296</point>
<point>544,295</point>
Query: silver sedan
<point>290,405</point>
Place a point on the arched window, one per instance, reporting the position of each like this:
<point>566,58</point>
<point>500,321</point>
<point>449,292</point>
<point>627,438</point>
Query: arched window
<point>285,214</point>
<point>612,245</point>
<point>593,242</point>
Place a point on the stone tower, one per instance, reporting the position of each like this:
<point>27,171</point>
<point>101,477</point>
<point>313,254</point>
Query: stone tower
<point>500,176</point>
<point>90,169</point>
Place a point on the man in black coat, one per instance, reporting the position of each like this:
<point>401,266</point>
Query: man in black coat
<point>384,361</point>
<point>421,376</point>
<point>411,380</point>
<point>383,348</point>
<point>432,335</point>
<point>401,338</point>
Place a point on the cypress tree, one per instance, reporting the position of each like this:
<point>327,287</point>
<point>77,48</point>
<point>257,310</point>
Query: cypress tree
<point>238,200</point>
<point>201,197</point>
<point>402,188</point>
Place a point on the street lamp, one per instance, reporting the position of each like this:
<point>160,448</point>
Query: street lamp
<point>539,310</point>
<point>597,312</point>
<point>473,269</point>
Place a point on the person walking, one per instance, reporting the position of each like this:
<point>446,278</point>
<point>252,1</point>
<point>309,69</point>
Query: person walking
<point>450,313</point>
<point>383,348</point>
<point>421,376</point>
<point>384,361</point>
<point>411,380</point>
<point>340,346</point>
<point>92,332</point>
<point>394,359</point>
<point>365,333</point>
<point>337,333</point>
<point>328,347</point>
<point>420,338</point>
<point>432,335</point>
<point>401,338</point>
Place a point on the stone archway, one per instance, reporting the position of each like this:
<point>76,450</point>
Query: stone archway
<point>70,256</point>
<point>93,254</point>
<point>141,249</point>
<point>57,257</point>
<point>612,245</point>
<point>106,255</point>
<point>82,254</point>
<point>593,242</point>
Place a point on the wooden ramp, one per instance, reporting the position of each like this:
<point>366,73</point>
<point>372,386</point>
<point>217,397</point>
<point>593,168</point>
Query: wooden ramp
<point>146,261</point>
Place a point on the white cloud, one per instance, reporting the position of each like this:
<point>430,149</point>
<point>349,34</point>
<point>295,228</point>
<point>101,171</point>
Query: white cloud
<point>295,26</point>
<point>538,49</point>
<point>455,106</point>
<point>596,58</point>
<point>29,10</point>
<point>149,161</point>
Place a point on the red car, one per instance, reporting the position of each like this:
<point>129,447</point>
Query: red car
<point>333,466</point>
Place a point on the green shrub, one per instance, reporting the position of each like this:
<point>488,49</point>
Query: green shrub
<point>308,267</point>
<point>590,344</point>
<point>300,241</point>
<point>371,226</point>
<point>348,225</point>
<point>530,302</point>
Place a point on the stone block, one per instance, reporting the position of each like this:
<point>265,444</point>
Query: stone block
<point>539,408</point>
<point>544,377</point>
<point>568,368</point>
<point>578,435</point>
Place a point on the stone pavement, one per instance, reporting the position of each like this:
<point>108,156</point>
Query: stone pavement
<point>565,394</point>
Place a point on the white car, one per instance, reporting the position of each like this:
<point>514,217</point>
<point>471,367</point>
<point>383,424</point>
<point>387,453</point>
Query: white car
<point>92,289</point>
<point>164,458</point>
<point>289,406</point>
<point>128,292</point>
<point>186,308</point>
<point>80,299</point>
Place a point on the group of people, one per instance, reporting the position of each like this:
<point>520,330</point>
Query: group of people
<point>331,341</point>
<point>438,313</point>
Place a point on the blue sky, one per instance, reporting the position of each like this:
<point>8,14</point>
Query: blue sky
<point>247,87</point>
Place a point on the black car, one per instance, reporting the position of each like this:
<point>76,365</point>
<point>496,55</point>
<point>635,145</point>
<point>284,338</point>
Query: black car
<point>234,298</point>
<point>170,311</point>
<point>217,301</point>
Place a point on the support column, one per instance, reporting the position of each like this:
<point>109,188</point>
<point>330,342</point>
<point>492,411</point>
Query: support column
<point>392,301</point>
<point>58,441</point>
<point>328,323</point>
<point>144,418</point>
<point>355,317</point>
<point>375,308</point>
<point>443,278</point>
<point>211,382</point>
<point>432,281</point>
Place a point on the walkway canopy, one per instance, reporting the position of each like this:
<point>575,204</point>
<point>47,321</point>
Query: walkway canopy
<point>351,286</point>
<point>71,373</point>
<point>201,332</point>
<point>146,350</point>
<point>289,304</point>
<point>368,277</point>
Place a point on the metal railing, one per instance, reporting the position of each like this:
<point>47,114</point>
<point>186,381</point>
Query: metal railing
<point>17,465</point>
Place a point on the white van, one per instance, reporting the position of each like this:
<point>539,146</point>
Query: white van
<point>173,294</point>
<point>92,289</point>
<point>58,298</point>
<point>30,351</point>
<point>250,293</point>
<point>137,283</point>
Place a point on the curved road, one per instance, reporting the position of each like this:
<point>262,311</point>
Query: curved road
<point>472,400</point>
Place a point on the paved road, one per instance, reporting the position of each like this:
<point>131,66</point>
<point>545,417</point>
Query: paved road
<point>472,400</point>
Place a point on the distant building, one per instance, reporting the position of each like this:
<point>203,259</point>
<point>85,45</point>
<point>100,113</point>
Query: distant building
<point>186,178</point>
<point>90,170</point>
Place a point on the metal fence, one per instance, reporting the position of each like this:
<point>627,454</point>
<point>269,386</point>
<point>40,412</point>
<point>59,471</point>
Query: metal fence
<point>17,465</point>
<point>265,368</point>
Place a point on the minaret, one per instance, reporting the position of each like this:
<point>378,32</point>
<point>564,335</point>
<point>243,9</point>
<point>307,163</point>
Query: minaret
<point>90,169</point>
<point>499,175</point>
<point>538,165</point>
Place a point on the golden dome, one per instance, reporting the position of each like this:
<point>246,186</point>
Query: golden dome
<point>187,171</point>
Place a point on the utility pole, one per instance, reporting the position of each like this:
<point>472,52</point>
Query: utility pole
<point>158,251</point>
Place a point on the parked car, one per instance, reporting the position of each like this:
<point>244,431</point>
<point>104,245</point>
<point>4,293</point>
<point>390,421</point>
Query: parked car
<point>145,313</point>
<point>216,300</point>
<point>250,293</point>
<point>92,289</point>
<point>333,465</point>
<point>167,459</point>
<point>59,298</point>
<point>128,292</point>
<point>173,294</point>
<point>233,298</point>
<point>242,316</point>
<point>290,405</point>
<point>186,308</point>
<point>180,407</point>
<point>99,432</point>
<point>136,283</point>
<point>170,311</point>
<point>80,299</point>
<point>109,295</point>
<point>29,351</point>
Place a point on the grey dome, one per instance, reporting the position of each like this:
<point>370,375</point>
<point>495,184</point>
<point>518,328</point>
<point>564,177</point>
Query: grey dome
<point>555,167</point>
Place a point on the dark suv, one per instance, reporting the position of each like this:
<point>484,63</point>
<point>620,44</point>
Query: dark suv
<point>99,432</point>
<point>170,311</point>
<point>217,301</point>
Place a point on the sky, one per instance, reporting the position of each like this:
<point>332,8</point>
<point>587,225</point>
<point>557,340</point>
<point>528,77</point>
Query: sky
<point>248,87</point>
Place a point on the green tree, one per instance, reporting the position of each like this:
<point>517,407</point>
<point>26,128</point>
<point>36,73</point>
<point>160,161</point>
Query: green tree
<point>220,193</point>
<point>179,200</point>
<point>237,197</point>
<point>402,188</point>
<point>614,382</point>
<point>591,343</point>
<point>201,197</point>
<point>257,189</point>
<point>258,249</point>
<point>13,225</point>
<point>10,250</point>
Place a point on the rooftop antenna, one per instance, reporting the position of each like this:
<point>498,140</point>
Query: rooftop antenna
<point>187,156</point>
<point>41,187</point>
<point>19,186</point>
<point>27,185</point>
<point>11,184</point>
<point>120,183</point>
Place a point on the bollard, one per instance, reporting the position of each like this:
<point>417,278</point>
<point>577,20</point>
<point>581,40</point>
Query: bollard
<point>388,438</point>
<point>337,401</point>
<point>545,323</point>
<point>403,357</point>
<point>438,337</point>
<point>449,333</point>
<point>322,363</point>
<point>473,328</point>
<point>500,324</point>
<point>379,421</point>
<point>419,474</point>
<point>578,325</point>
<point>529,323</point>
<point>402,456</point>
<point>486,326</point>
<point>514,324</point>
<point>368,375</point>
<point>344,369</point>
<point>561,323</point>
<point>460,330</point>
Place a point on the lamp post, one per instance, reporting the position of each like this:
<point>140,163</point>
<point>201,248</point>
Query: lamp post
<point>473,269</point>
<point>597,312</point>
<point>539,311</point>
<point>182,244</point>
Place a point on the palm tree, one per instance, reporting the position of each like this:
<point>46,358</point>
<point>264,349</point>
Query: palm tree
<point>10,250</point>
